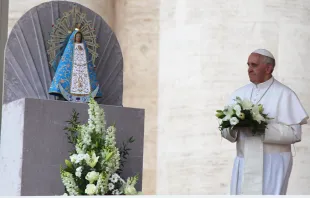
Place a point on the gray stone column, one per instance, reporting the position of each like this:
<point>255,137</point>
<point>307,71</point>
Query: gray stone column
<point>4,8</point>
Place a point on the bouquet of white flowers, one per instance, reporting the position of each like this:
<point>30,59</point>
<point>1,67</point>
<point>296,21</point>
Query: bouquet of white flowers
<point>243,114</point>
<point>94,165</point>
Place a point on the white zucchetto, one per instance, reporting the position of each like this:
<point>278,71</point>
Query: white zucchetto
<point>263,52</point>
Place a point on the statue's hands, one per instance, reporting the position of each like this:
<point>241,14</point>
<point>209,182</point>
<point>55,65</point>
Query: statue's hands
<point>95,67</point>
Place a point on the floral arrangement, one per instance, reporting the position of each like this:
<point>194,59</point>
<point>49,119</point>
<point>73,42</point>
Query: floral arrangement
<point>243,113</point>
<point>95,163</point>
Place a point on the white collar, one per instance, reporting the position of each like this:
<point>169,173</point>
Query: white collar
<point>265,84</point>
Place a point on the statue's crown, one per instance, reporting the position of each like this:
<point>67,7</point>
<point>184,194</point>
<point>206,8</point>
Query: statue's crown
<point>78,26</point>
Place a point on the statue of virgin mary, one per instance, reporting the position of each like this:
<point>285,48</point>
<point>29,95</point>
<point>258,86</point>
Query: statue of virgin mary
<point>75,76</point>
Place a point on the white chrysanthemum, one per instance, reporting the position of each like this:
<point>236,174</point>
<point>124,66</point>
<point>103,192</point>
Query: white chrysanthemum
<point>111,186</point>
<point>233,121</point>
<point>90,189</point>
<point>114,178</point>
<point>92,176</point>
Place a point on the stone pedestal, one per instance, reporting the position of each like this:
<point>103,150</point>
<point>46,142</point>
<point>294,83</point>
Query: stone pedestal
<point>34,144</point>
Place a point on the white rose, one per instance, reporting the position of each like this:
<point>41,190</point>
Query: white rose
<point>92,176</point>
<point>90,189</point>
<point>233,121</point>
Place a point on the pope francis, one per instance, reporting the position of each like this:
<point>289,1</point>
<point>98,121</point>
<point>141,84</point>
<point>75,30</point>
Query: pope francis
<point>263,163</point>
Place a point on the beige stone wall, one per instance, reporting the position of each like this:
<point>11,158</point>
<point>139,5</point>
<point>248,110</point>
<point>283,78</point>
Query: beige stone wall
<point>204,47</point>
<point>137,28</point>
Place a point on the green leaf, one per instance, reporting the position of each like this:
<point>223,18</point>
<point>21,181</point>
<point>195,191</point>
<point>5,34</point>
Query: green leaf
<point>131,139</point>
<point>108,156</point>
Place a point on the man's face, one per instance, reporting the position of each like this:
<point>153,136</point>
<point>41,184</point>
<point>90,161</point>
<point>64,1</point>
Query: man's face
<point>258,71</point>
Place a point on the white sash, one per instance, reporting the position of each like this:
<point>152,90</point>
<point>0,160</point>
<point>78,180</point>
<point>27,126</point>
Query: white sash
<point>252,178</point>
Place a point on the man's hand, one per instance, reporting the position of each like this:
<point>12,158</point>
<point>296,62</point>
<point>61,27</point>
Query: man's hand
<point>230,134</point>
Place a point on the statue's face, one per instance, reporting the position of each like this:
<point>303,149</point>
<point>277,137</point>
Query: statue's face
<point>78,38</point>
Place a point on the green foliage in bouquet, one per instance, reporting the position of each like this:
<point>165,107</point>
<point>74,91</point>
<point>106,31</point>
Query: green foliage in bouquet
<point>95,163</point>
<point>243,114</point>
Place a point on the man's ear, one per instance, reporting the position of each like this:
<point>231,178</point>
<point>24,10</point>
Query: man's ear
<point>269,69</point>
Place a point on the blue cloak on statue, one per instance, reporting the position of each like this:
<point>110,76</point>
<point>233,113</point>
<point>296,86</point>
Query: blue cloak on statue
<point>75,76</point>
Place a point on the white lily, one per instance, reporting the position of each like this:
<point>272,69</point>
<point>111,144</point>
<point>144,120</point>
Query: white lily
<point>246,104</point>
<point>92,160</point>
<point>256,114</point>
<point>229,112</point>
<point>237,108</point>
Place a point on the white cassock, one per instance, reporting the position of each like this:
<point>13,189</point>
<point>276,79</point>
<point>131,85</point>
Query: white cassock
<point>263,164</point>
